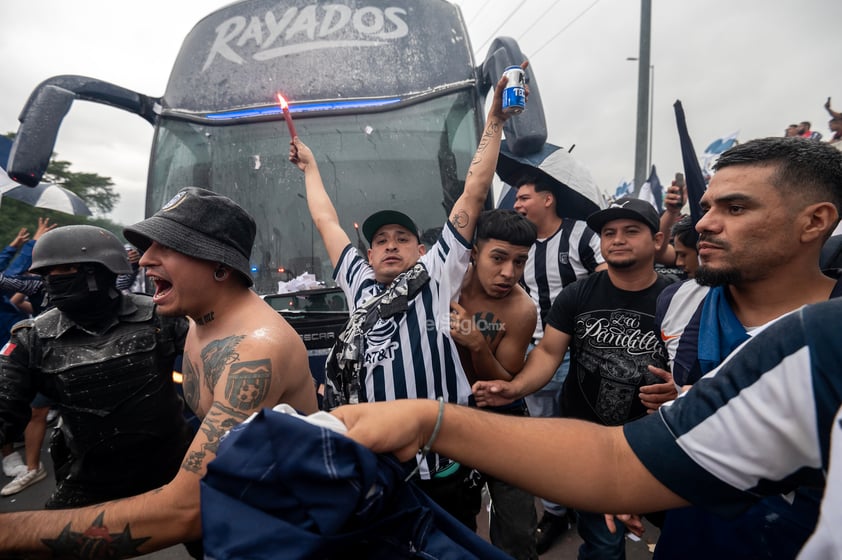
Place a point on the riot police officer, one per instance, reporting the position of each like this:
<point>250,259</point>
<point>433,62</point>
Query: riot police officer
<point>106,359</point>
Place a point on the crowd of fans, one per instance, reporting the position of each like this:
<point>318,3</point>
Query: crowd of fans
<point>629,321</point>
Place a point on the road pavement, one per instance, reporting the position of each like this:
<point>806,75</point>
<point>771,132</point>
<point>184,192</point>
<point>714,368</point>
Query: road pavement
<point>564,549</point>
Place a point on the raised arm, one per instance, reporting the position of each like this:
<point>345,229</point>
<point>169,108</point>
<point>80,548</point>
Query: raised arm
<point>21,238</point>
<point>468,206</point>
<point>321,208</point>
<point>673,202</point>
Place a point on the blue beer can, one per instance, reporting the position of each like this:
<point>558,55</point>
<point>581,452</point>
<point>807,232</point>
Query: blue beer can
<point>514,96</point>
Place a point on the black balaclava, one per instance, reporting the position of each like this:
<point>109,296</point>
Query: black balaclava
<point>87,296</point>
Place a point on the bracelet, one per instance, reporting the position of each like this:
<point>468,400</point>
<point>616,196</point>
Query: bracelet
<point>429,445</point>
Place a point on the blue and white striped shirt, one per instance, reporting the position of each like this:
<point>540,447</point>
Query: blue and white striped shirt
<point>411,355</point>
<point>569,254</point>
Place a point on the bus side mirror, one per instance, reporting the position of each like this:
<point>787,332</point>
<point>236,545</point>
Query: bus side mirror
<point>46,107</point>
<point>36,136</point>
<point>527,132</point>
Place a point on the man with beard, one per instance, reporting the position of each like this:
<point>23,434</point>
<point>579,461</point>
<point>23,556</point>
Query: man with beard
<point>608,322</point>
<point>768,210</point>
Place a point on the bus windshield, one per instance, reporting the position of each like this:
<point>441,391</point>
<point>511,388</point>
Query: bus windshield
<point>413,159</point>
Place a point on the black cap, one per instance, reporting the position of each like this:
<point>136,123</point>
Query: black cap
<point>385,218</point>
<point>626,208</point>
<point>201,224</point>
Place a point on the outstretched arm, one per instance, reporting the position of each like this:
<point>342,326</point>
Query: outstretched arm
<point>580,464</point>
<point>240,375</point>
<point>44,226</point>
<point>468,206</point>
<point>321,208</point>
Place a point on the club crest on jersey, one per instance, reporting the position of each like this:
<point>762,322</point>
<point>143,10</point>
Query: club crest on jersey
<point>564,258</point>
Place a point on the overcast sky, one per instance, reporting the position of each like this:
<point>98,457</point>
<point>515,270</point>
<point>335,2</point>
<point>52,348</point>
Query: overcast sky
<point>752,66</point>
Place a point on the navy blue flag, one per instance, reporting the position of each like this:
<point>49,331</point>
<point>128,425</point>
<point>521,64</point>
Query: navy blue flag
<point>696,185</point>
<point>652,191</point>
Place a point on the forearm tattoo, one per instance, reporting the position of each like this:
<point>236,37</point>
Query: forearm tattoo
<point>95,542</point>
<point>218,420</point>
<point>491,131</point>
<point>217,355</point>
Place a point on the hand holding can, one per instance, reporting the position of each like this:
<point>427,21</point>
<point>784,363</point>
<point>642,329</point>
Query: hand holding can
<point>514,96</point>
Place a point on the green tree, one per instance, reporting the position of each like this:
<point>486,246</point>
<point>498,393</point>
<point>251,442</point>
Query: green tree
<point>97,191</point>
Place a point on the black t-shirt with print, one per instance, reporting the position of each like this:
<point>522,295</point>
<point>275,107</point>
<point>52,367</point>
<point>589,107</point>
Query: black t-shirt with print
<point>614,338</point>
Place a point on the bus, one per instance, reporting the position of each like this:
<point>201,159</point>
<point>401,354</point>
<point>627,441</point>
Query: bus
<point>386,93</point>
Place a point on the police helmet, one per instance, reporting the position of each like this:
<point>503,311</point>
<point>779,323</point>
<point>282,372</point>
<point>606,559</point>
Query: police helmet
<point>79,244</point>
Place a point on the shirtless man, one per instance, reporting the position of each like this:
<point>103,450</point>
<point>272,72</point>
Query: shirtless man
<point>239,357</point>
<point>492,325</point>
<point>492,321</point>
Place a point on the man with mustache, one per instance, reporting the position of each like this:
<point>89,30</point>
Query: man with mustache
<point>397,343</point>
<point>768,210</point>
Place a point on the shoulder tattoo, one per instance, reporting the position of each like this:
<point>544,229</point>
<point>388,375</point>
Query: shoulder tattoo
<point>216,355</point>
<point>248,384</point>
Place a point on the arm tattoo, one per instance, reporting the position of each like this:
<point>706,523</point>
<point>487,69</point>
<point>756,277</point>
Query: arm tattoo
<point>190,383</point>
<point>218,354</point>
<point>95,542</point>
<point>490,132</point>
<point>218,420</point>
<point>459,219</point>
<point>248,384</point>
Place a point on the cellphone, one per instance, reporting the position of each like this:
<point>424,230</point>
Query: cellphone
<point>679,179</point>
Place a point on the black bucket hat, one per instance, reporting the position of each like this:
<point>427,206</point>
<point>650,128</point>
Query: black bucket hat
<point>201,224</point>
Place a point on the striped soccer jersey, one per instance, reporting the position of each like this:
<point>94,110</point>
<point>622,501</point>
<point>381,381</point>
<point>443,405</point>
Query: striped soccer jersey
<point>762,423</point>
<point>571,253</point>
<point>411,355</point>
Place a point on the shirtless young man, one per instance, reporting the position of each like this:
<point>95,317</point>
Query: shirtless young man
<point>239,357</point>
<point>492,321</point>
<point>492,325</point>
